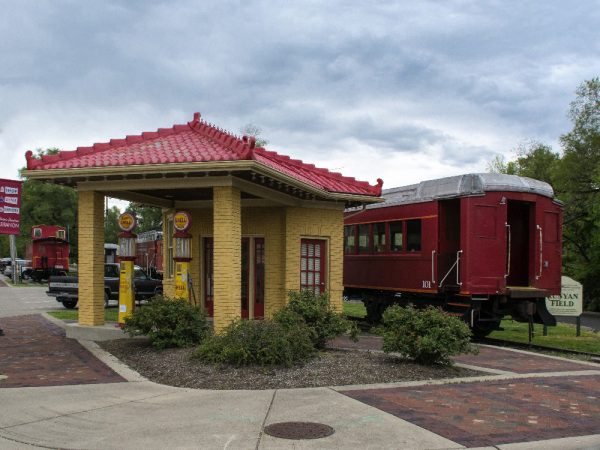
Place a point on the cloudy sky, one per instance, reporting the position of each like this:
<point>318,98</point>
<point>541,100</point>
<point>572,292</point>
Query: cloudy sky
<point>402,90</point>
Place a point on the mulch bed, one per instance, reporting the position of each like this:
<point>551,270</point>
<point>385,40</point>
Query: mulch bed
<point>175,367</point>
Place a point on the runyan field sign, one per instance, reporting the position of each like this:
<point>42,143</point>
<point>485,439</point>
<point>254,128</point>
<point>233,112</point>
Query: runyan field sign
<point>570,300</point>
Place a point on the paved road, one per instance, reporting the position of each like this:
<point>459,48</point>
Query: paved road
<point>16,301</point>
<point>588,319</point>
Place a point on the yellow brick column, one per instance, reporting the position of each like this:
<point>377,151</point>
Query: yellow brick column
<point>227,232</point>
<point>91,258</point>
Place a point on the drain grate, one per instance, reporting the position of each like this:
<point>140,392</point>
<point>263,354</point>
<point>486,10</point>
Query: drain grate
<point>299,430</point>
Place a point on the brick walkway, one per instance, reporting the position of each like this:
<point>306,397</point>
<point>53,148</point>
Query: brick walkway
<point>498,412</point>
<point>35,352</point>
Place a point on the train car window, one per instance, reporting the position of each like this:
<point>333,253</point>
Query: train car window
<point>379,237</point>
<point>350,239</point>
<point>413,235</point>
<point>396,236</point>
<point>364,244</point>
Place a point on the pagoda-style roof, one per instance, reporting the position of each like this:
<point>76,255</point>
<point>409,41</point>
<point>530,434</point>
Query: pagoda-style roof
<point>194,149</point>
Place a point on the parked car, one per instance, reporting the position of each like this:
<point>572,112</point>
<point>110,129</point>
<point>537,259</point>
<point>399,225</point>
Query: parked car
<point>24,267</point>
<point>65,288</point>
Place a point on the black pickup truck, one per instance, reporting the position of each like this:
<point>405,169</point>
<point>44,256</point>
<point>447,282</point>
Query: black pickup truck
<point>65,289</point>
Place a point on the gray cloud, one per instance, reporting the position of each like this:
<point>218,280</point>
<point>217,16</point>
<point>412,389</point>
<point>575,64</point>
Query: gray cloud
<point>460,80</point>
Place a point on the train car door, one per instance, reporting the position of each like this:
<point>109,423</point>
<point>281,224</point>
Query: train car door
<point>519,246</point>
<point>448,243</point>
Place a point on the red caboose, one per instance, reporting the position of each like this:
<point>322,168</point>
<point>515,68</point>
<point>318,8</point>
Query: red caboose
<point>49,251</point>
<point>480,245</point>
<point>149,252</point>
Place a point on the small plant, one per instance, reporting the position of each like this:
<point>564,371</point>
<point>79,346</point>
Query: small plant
<point>169,323</point>
<point>316,312</point>
<point>260,342</point>
<point>428,336</point>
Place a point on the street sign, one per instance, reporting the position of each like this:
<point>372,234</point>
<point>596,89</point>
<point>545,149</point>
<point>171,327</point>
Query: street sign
<point>10,206</point>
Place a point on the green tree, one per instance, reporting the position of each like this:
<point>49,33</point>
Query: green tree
<point>578,184</point>
<point>149,217</point>
<point>111,226</point>
<point>534,160</point>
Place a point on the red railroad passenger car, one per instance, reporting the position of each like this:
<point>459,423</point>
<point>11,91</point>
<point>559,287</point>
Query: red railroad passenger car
<point>49,251</point>
<point>480,245</point>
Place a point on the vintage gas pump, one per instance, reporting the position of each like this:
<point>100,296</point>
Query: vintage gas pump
<point>127,223</point>
<point>182,245</point>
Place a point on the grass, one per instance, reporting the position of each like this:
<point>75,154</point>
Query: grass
<point>562,336</point>
<point>355,309</point>
<point>110,314</point>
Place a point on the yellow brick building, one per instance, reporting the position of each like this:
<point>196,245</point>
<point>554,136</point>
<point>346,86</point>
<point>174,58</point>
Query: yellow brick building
<point>262,223</point>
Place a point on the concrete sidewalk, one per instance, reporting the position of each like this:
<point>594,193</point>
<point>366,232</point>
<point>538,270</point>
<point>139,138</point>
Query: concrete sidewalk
<point>141,414</point>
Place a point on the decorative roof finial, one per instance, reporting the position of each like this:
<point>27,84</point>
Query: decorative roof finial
<point>29,158</point>
<point>379,185</point>
<point>196,117</point>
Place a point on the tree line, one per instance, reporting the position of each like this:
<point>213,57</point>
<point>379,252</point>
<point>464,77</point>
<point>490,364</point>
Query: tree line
<point>574,173</point>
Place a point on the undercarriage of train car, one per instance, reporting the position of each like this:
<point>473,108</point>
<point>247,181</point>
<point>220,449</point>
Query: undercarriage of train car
<point>483,314</point>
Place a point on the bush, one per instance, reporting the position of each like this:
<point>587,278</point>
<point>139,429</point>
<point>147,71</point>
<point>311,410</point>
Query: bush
<point>261,342</point>
<point>169,323</point>
<point>428,336</point>
<point>315,311</point>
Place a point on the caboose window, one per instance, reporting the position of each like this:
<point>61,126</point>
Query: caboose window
<point>379,237</point>
<point>37,232</point>
<point>60,234</point>
<point>350,239</point>
<point>364,245</point>
<point>413,235</point>
<point>396,234</point>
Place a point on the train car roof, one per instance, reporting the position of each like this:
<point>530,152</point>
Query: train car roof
<point>462,186</point>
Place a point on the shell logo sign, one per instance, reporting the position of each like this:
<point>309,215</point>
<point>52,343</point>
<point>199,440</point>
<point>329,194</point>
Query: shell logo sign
<point>127,221</point>
<point>182,221</point>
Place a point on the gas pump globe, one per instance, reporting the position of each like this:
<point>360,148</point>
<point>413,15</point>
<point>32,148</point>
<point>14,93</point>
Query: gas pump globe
<point>182,248</point>
<point>127,252</point>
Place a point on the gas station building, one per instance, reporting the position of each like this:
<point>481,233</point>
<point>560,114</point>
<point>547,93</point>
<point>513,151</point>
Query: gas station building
<point>262,224</point>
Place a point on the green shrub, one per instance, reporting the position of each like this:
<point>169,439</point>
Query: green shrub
<point>168,323</point>
<point>260,342</point>
<point>428,336</point>
<point>315,311</point>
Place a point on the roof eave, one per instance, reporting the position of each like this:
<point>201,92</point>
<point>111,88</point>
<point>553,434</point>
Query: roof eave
<point>76,173</point>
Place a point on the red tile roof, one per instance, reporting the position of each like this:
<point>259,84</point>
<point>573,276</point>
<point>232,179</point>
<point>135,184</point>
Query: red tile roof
<point>196,141</point>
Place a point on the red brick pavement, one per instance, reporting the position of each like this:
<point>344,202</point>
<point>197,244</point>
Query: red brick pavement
<point>498,412</point>
<point>35,352</point>
<point>488,357</point>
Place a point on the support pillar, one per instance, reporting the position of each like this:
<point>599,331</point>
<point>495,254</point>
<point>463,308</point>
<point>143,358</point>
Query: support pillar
<point>227,232</point>
<point>91,258</point>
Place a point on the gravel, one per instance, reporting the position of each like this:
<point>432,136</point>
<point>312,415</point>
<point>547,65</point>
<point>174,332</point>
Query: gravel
<point>176,367</point>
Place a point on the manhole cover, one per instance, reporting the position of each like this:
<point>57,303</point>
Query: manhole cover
<point>299,430</point>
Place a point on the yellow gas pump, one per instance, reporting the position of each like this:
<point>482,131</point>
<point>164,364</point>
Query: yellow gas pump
<point>182,240</point>
<point>127,222</point>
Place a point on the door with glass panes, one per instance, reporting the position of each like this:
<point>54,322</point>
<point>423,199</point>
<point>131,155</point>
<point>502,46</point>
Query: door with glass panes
<point>312,265</point>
